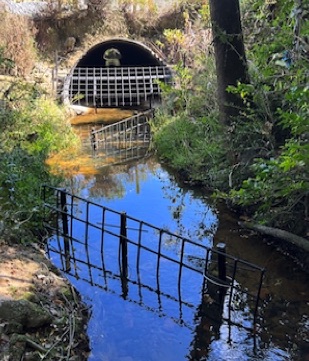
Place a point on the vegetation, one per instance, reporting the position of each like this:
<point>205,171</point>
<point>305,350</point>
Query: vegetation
<point>259,162</point>
<point>279,182</point>
<point>31,127</point>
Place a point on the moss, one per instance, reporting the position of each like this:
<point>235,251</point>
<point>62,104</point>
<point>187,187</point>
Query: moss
<point>30,296</point>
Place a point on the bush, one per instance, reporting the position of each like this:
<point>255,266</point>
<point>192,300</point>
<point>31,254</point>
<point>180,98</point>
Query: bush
<point>30,129</point>
<point>276,191</point>
<point>187,132</point>
<point>194,148</point>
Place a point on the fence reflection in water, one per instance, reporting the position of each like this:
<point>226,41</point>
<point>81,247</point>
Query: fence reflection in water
<point>147,265</point>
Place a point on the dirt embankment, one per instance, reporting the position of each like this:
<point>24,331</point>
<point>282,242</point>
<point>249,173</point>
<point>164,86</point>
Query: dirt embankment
<point>41,315</point>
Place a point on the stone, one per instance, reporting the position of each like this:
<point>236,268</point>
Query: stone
<point>26,313</point>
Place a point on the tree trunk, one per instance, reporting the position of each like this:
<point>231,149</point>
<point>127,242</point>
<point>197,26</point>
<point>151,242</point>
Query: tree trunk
<point>230,56</point>
<point>300,242</point>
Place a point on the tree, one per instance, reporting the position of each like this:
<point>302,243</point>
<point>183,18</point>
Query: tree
<point>230,56</point>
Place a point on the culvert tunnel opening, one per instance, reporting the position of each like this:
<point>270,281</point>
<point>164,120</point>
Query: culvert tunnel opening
<point>129,79</point>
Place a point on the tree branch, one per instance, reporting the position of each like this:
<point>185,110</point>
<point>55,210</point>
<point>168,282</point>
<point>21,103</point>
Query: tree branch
<point>298,241</point>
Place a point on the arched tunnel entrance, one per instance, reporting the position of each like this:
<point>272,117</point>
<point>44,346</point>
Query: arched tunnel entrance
<point>116,73</point>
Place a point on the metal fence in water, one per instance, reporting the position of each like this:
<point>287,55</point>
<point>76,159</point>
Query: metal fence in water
<point>113,251</point>
<point>124,140</point>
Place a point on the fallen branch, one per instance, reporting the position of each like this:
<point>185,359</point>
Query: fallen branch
<point>35,345</point>
<point>298,241</point>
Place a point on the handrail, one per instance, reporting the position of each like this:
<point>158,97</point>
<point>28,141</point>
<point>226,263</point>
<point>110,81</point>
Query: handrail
<point>130,239</point>
<point>125,140</point>
<point>125,121</point>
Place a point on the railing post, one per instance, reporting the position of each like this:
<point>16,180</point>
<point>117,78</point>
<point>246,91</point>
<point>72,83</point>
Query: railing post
<point>124,253</point>
<point>65,227</point>
<point>64,214</point>
<point>123,244</point>
<point>93,139</point>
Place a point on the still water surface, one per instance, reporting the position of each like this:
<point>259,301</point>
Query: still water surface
<point>128,329</point>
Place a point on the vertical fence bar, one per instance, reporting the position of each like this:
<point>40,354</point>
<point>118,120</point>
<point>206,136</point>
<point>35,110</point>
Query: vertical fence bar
<point>116,87</point>
<point>124,254</point>
<point>71,216</point>
<point>206,268</point>
<point>181,265</point>
<point>93,140</point>
<point>138,256</point>
<point>182,252</point>
<point>158,267</point>
<point>65,227</point>
<point>87,240</point>
<point>124,244</point>
<point>64,209</point>
<point>87,225</point>
<point>102,246</point>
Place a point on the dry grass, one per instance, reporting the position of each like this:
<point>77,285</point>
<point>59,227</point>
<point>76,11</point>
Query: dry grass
<point>17,40</point>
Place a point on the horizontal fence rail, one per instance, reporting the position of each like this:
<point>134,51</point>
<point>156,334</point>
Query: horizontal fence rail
<point>101,246</point>
<point>117,86</point>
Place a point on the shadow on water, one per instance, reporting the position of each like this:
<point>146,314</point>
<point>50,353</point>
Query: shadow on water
<point>151,316</point>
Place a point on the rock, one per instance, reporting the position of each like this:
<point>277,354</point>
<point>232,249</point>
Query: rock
<point>24,312</point>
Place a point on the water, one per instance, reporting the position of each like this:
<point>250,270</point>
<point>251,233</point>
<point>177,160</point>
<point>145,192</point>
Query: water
<point>137,323</point>
<point>156,315</point>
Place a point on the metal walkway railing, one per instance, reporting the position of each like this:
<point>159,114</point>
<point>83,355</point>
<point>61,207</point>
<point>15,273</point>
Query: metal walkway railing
<point>101,246</point>
<point>125,140</point>
<point>118,86</point>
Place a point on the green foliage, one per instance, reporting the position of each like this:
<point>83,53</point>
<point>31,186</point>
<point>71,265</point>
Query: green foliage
<point>187,133</point>
<point>5,63</point>
<point>279,189</point>
<point>20,184</point>
<point>262,159</point>
<point>204,12</point>
<point>31,126</point>
<point>276,190</point>
<point>191,147</point>
<point>33,122</point>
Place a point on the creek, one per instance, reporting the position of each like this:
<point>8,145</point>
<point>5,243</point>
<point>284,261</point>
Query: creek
<point>150,326</point>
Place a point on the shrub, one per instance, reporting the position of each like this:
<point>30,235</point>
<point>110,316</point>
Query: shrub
<point>31,127</point>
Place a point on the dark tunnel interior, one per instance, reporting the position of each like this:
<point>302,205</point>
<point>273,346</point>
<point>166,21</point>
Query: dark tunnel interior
<point>132,55</point>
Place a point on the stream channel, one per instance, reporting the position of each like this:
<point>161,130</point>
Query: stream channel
<point>146,325</point>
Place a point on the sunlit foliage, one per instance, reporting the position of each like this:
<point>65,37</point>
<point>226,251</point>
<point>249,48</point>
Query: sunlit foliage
<point>31,127</point>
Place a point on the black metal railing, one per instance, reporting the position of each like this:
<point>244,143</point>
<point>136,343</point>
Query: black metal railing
<point>125,140</point>
<point>113,251</point>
